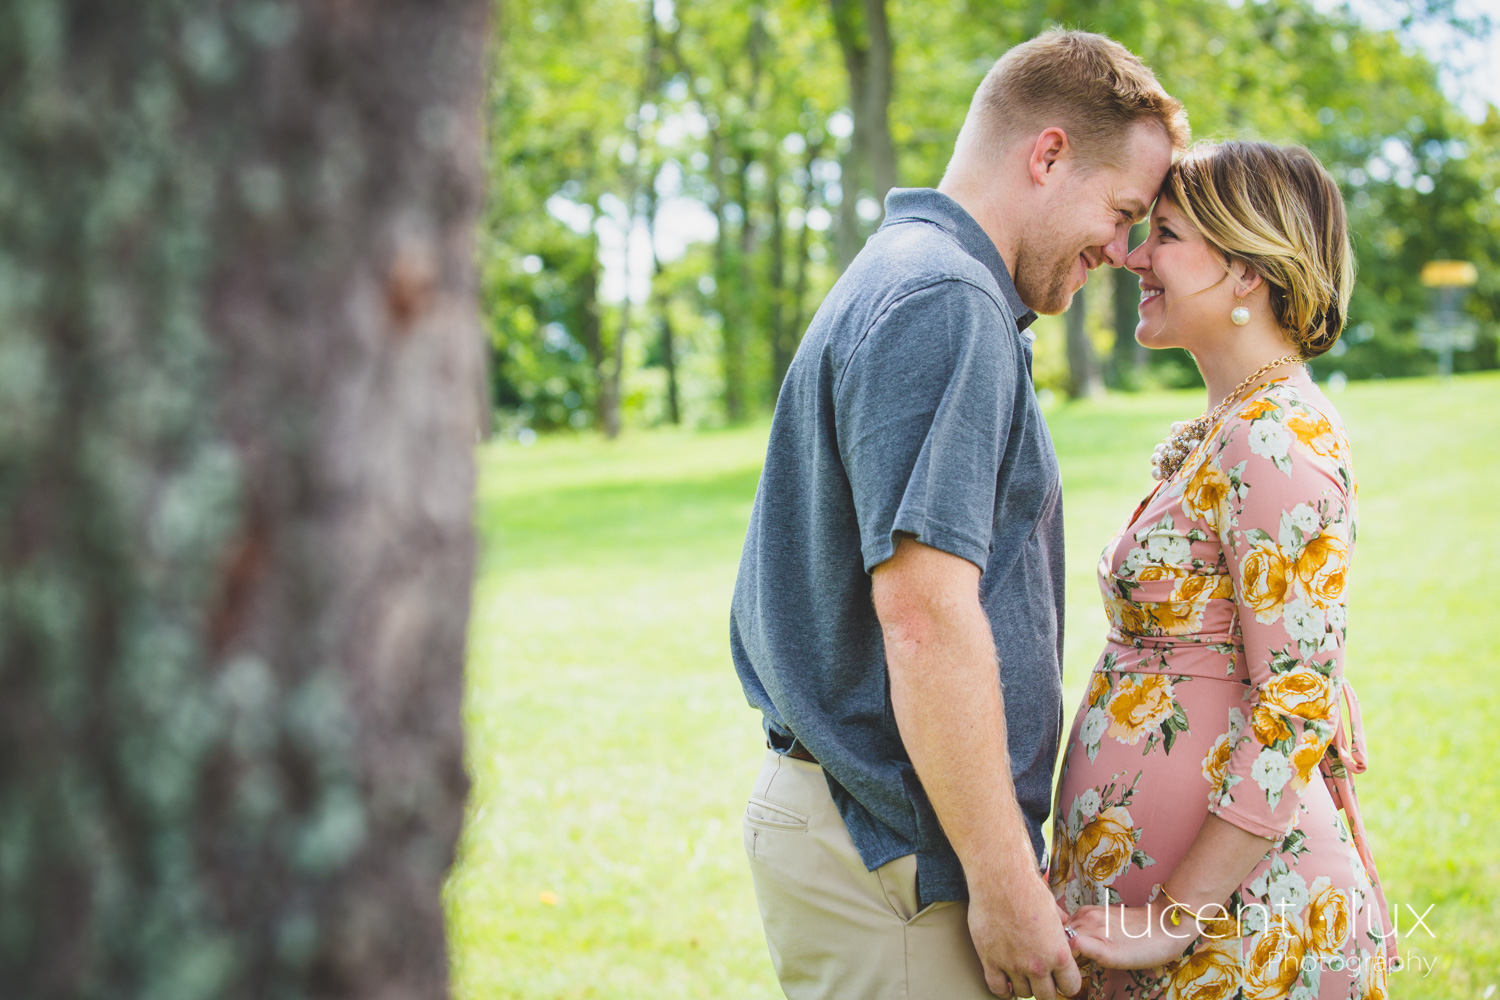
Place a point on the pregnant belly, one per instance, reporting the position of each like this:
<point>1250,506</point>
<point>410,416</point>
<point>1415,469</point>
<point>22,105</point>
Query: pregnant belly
<point>1147,749</point>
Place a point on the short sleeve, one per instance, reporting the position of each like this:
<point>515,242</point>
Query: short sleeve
<point>1286,542</point>
<point>922,411</point>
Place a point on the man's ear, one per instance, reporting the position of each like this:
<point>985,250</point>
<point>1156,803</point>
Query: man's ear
<point>1050,149</point>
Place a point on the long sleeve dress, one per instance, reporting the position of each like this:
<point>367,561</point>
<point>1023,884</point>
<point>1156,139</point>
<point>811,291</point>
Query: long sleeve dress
<point>1219,691</point>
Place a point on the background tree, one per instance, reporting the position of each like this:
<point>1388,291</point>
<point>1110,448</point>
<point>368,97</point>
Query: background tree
<point>783,122</point>
<point>239,377</point>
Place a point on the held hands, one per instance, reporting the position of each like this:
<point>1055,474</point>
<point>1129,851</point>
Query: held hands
<point>1132,937</point>
<point>1018,932</point>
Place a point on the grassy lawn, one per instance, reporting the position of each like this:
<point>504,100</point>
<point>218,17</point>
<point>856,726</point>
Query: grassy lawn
<point>612,750</point>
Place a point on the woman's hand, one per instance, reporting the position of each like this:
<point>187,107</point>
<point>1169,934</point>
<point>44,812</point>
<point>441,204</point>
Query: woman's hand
<point>1130,937</point>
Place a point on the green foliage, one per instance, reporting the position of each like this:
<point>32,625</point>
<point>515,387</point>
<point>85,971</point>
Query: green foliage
<point>612,749</point>
<point>746,115</point>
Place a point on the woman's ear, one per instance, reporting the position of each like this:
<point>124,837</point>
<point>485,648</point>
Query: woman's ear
<point>1246,278</point>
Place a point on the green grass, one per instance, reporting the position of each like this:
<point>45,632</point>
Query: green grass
<point>612,750</point>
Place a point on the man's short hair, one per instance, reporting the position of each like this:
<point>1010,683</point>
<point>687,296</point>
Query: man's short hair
<point>1090,86</point>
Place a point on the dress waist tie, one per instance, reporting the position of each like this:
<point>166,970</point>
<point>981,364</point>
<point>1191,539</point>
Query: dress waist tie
<point>1348,745</point>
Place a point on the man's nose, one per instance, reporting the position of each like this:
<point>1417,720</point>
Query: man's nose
<point>1117,250</point>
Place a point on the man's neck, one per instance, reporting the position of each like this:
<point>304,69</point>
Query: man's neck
<point>982,203</point>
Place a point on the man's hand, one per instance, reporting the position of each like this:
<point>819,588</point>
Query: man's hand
<point>1018,932</point>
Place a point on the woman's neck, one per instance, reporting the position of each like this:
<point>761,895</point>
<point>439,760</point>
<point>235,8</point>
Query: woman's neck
<point>1224,370</point>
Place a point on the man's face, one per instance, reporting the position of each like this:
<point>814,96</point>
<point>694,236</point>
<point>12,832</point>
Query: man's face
<point>1087,218</point>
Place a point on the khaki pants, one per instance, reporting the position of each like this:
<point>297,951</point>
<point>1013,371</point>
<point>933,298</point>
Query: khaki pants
<point>834,929</point>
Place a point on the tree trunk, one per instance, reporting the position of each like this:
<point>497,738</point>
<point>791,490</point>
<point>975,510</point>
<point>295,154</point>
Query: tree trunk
<point>781,354</point>
<point>864,39</point>
<point>799,291</point>
<point>877,101</point>
<point>734,362</point>
<point>1126,290</point>
<point>238,351</point>
<point>1083,366</point>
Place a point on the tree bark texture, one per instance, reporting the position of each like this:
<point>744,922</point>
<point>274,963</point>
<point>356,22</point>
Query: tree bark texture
<point>240,384</point>
<point>864,37</point>
<point>1083,364</point>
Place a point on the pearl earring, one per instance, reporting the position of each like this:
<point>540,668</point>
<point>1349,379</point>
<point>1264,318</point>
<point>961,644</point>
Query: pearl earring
<point>1240,316</point>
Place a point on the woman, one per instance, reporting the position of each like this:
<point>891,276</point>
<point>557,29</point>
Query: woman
<point>1205,768</point>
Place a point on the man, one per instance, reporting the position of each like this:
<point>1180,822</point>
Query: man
<point>907,532</point>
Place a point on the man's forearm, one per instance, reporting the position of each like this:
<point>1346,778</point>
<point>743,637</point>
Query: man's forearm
<point>948,705</point>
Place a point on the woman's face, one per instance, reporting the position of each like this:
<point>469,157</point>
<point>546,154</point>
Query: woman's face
<point>1187,292</point>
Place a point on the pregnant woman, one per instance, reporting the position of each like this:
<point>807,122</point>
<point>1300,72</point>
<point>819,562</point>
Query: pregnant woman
<point>1197,841</point>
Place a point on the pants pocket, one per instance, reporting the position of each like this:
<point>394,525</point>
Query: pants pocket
<point>773,816</point>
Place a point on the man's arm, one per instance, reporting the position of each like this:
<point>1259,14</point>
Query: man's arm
<point>948,705</point>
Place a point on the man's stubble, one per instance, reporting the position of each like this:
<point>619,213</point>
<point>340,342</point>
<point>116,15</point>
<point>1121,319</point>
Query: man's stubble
<point>1044,273</point>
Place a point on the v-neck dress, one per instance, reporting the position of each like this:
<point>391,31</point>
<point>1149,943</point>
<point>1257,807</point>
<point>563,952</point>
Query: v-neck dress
<point>1219,691</point>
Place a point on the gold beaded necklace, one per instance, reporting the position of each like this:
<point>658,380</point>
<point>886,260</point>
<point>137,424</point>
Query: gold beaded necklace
<point>1167,457</point>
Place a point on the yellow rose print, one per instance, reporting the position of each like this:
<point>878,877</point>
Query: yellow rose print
<point>1321,570</point>
<point>1062,860</point>
<point>1141,703</point>
<point>1305,757</point>
<point>1329,918</point>
<point>1178,617</point>
<point>1212,972</point>
<point>1256,409</point>
<point>1302,692</point>
<point>1275,960</point>
<point>1157,571</point>
<point>1102,850</point>
<point>1374,978</point>
<point>1206,495</point>
<point>1313,431</point>
<point>1216,763</point>
<point>1098,687</point>
<point>1263,575</point>
<point>1195,588</point>
<point>1269,726</point>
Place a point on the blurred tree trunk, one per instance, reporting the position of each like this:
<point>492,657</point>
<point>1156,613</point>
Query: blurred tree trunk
<point>864,37</point>
<point>810,189</point>
<point>240,385</point>
<point>1127,355</point>
<point>1083,364</point>
<point>730,320</point>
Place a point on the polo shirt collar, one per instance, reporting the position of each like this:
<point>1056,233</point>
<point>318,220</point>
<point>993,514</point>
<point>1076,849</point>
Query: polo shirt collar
<point>931,205</point>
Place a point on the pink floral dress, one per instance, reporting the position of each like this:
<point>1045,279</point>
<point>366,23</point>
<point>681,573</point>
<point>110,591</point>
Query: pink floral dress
<point>1219,691</point>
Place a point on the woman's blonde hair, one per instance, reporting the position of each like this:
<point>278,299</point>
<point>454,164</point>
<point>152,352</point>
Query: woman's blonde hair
<point>1275,210</point>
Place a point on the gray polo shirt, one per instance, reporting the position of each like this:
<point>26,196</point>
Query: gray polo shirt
<point>907,409</point>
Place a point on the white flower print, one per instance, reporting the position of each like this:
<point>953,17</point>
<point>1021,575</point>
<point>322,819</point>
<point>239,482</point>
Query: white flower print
<point>1305,518</point>
<point>1133,562</point>
<point>1304,622</point>
<point>1287,894</point>
<point>1168,549</point>
<point>1087,804</point>
<point>1271,771</point>
<point>1075,895</point>
<point>1094,725</point>
<point>1338,617</point>
<point>1269,439</point>
<point>1236,723</point>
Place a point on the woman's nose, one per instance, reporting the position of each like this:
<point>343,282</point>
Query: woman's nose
<point>1139,259</point>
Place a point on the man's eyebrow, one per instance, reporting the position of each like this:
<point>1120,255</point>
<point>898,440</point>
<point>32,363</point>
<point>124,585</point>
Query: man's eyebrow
<point>1134,209</point>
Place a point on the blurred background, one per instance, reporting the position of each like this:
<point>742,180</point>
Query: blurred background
<point>673,187</point>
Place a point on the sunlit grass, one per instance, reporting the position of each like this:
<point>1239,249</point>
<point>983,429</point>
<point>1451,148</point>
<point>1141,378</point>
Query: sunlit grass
<point>611,748</point>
